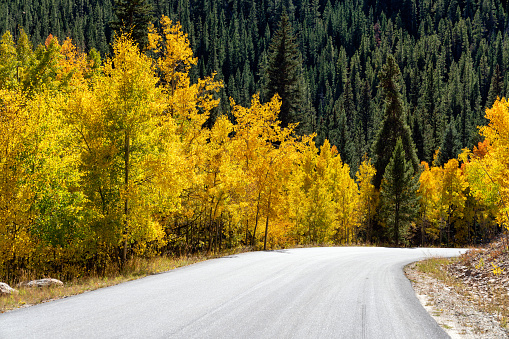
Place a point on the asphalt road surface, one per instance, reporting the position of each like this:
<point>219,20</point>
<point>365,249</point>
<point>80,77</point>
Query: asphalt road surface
<point>336,292</point>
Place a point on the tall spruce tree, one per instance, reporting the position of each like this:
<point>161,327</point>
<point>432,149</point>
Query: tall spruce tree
<point>394,125</point>
<point>399,200</point>
<point>284,73</point>
<point>133,17</point>
<point>496,87</point>
<point>451,144</point>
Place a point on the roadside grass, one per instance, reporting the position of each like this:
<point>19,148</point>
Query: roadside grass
<point>436,267</point>
<point>135,269</point>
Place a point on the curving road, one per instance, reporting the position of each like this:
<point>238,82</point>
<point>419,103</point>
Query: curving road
<point>336,292</point>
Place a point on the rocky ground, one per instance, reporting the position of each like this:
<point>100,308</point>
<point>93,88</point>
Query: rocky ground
<point>473,302</point>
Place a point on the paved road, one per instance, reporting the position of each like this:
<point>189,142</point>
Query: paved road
<point>344,292</point>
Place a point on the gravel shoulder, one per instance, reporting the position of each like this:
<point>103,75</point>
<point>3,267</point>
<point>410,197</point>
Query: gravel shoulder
<point>473,302</point>
<point>453,311</point>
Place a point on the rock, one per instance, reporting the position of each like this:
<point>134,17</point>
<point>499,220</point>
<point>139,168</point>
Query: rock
<point>6,289</point>
<point>44,283</point>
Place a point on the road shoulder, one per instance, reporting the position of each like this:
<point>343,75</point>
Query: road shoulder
<point>452,311</point>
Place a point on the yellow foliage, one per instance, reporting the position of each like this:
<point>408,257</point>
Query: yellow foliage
<point>72,65</point>
<point>91,165</point>
<point>16,179</point>
<point>175,54</point>
<point>443,195</point>
<point>324,199</point>
<point>496,269</point>
<point>368,197</point>
<point>265,153</point>
<point>8,62</point>
<point>488,170</point>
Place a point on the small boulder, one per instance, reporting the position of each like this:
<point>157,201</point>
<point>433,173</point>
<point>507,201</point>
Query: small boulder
<point>46,282</point>
<point>6,289</point>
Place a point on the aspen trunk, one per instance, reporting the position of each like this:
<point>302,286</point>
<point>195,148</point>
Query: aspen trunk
<point>256,218</point>
<point>247,231</point>
<point>396,226</point>
<point>210,232</point>
<point>126,201</point>
<point>267,223</point>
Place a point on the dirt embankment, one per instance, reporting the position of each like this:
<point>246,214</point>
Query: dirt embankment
<point>472,301</point>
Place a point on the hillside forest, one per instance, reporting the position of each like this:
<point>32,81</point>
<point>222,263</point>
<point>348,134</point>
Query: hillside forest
<point>200,126</point>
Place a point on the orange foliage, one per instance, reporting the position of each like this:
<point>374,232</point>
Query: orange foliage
<point>481,149</point>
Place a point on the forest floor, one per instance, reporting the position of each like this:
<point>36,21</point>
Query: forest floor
<point>468,296</point>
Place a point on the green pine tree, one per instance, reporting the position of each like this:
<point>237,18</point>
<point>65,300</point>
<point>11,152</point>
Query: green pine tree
<point>133,17</point>
<point>284,73</point>
<point>394,125</point>
<point>496,87</point>
<point>399,200</point>
<point>451,144</point>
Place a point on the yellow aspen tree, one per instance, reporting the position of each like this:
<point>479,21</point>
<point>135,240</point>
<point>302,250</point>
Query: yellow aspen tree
<point>23,68</point>
<point>41,71</point>
<point>45,140</point>
<point>189,104</point>
<point>261,145</point>
<point>219,180</point>
<point>132,102</point>
<point>279,166</point>
<point>346,199</point>
<point>486,192</point>
<point>48,159</point>
<point>116,120</point>
<point>430,196</point>
<point>453,196</point>
<point>8,62</point>
<point>299,196</point>
<point>252,131</point>
<point>492,170</point>
<point>59,226</point>
<point>299,186</point>
<point>72,65</point>
<point>174,54</point>
<point>188,107</point>
<point>16,182</point>
<point>313,205</point>
<point>368,198</point>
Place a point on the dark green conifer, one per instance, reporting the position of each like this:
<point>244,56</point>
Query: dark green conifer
<point>366,112</point>
<point>284,73</point>
<point>133,17</point>
<point>496,87</point>
<point>451,144</point>
<point>394,125</point>
<point>399,200</point>
<point>339,132</point>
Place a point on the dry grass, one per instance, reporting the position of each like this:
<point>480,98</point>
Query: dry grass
<point>496,304</point>
<point>136,268</point>
<point>437,268</point>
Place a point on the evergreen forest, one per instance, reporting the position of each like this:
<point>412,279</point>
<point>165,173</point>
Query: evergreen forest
<point>140,128</point>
